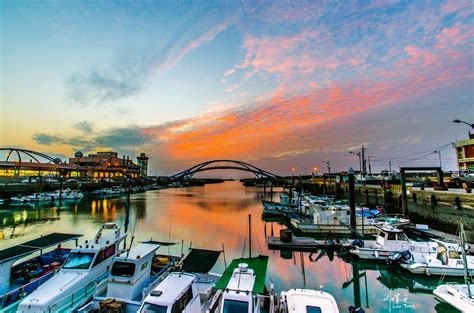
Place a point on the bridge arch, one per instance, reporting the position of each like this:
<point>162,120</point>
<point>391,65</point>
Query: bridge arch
<point>34,155</point>
<point>224,165</point>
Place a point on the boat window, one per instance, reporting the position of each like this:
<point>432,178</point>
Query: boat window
<point>313,309</point>
<point>391,236</point>
<point>124,269</point>
<point>77,260</point>
<point>182,302</point>
<point>234,306</point>
<point>105,254</point>
<point>153,308</point>
<point>454,255</point>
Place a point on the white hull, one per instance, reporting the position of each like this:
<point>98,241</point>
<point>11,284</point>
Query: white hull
<point>440,270</point>
<point>456,295</point>
<point>334,229</point>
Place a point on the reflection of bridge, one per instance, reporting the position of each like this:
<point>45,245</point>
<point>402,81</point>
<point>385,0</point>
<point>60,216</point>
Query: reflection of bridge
<point>224,165</point>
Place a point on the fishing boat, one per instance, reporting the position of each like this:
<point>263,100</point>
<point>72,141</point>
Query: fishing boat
<point>242,287</point>
<point>445,260</point>
<point>459,296</point>
<point>38,197</point>
<point>190,290</point>
<point>19,280</point>
<point>131,279</point>
<point>85,268</point>
<point>307,300</point>
<point>176,293</point>
<point>389,243</point>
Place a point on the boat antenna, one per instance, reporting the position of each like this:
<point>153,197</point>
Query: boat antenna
<point>133,234</point>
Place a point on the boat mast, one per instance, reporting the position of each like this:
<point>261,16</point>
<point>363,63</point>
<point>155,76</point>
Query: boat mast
<point>250,235</point>
<point>464,259</point>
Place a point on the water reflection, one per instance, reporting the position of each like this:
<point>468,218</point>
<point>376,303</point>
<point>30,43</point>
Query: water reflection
<point>216,215</point>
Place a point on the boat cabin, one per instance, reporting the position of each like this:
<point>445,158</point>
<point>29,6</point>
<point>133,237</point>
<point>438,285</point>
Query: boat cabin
<point>129,272</point>
<point>238,296</point>
<point>86,266</point>
<point>387,233</point>
<point>176,293</point>
<point>17,281</point>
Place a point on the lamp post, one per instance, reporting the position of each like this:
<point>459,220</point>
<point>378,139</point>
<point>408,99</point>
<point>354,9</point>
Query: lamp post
<point>439,155</point>
<point>350,174</point>
<point>370,168</point>
<point>470,125</point>
<point>360,162</point>
<point>328,165</point>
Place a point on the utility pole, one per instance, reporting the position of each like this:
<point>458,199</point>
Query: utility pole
<point>328,165</point>
<point>370,168</point>
<point>364,166</point>
<point>390,167</point>
<point>439,155</point>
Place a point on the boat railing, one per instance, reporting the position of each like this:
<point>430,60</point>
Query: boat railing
<point>21,292</point>
<point>68,302</point>
<point>154,280</point>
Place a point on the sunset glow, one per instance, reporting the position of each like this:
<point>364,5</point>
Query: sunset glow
<point>276,84</point>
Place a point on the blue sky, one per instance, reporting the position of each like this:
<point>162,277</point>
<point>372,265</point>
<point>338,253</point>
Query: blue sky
<point>280,84</point>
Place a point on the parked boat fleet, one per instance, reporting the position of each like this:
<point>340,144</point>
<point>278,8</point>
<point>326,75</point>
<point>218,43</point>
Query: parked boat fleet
<point>72,194</point>
<point>99,275</point>
<point>391,245</point>
<point>324,214</point>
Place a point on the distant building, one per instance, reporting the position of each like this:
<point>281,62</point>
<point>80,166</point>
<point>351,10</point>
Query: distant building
<point>142,162</point>
<point>99,165</point>
<point>105,165</point>
<point>465,154</point>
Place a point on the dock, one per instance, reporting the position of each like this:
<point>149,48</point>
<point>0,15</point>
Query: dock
<point>306,244</point>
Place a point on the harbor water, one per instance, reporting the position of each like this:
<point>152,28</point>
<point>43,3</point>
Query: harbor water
<point>215,216</point>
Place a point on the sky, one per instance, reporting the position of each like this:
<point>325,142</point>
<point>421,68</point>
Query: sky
<point>278,84</point>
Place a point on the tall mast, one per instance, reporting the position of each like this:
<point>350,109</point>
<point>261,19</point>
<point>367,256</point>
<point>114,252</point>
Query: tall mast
<point>250,235</point>
<point>466,271</point>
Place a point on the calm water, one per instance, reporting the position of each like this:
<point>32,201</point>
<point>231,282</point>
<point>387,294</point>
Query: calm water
<point>217,215</point>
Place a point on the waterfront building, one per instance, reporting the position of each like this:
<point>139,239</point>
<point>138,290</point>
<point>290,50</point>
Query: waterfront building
<point>465,154</point>
<point>101,165</point>
<point>142,162</point>
<point>105,165</point>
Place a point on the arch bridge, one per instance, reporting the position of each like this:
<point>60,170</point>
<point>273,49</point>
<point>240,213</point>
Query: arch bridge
<point>224,165</point>
<point>34,155</point>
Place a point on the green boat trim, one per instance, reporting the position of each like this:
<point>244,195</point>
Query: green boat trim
<point>258,264</point>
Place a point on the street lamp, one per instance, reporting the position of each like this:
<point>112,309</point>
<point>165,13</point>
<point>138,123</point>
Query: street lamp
<point>439,155</point>
<point>360,163</point>
<point>328,165</point>
<point>462,122</point>
<point>370,168</point>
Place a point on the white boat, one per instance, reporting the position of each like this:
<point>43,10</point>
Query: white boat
<point>85,268</point>
<point>445,261</point>
<point>129,281</point>
<point>457,295</point>
<point>189,290</point>
<point>18,199</point>
<point>38,197</point>
<point>67,194</point>
<point>389,243</point>
<point>335,222</point>
<point>176,293</point>
<point>242,287</point>
<point>306,300</point>
<point>20,277</point>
